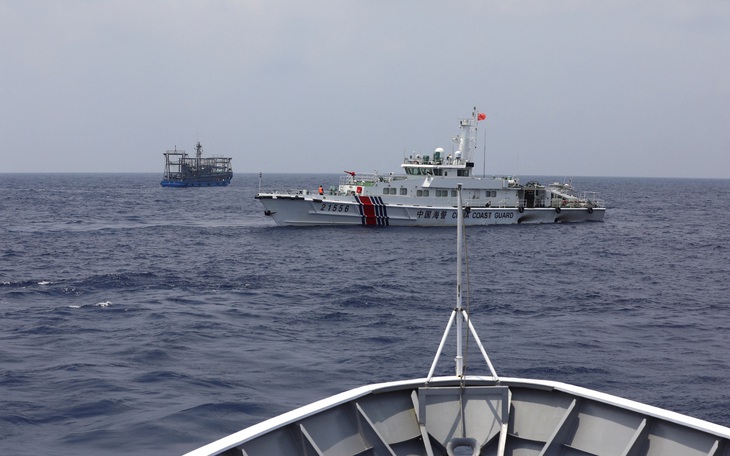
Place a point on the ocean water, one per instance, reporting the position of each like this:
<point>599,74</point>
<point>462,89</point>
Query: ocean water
<point>136,319</point>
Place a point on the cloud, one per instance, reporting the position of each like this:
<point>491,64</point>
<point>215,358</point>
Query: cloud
<point>109,85</point>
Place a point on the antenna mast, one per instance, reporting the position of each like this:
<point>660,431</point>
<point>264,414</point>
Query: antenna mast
<point>459,243</point>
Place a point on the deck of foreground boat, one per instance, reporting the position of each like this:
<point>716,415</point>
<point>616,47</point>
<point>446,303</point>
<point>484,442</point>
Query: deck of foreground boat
<point>510,417</point>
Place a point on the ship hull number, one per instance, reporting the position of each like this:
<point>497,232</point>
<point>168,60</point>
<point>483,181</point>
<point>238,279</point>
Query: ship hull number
<point>329,207</point>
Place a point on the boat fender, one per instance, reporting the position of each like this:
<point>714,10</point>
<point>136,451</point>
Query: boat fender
<point>521,209</point>
<point>557,209</point>
<point>590,210</point>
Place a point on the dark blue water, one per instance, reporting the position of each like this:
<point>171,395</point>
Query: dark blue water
<point>137,319</point>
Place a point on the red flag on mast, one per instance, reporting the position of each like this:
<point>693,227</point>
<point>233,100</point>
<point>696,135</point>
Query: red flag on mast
<point>481,116</point>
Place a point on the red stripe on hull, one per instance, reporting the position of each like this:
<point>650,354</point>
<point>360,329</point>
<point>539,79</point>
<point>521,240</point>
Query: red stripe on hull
<point>369,210</point>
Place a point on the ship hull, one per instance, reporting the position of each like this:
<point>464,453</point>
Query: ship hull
<point>195,183</point>
<point>305,210</point>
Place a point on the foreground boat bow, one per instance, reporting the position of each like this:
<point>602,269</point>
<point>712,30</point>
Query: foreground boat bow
<point>513,417</point>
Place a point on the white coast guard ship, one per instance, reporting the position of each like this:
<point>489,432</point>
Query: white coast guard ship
<point>426,195</point>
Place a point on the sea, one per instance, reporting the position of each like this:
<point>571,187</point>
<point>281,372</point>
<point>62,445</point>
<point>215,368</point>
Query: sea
<point>137,319</point>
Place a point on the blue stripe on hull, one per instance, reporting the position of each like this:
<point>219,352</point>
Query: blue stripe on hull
<point>372,211</point>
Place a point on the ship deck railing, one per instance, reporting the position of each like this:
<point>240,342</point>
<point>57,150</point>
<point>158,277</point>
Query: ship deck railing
<point>502,204</point>
<point>367,180</point>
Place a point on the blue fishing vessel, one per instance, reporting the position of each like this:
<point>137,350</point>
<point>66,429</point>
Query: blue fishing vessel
<point>182,170</point>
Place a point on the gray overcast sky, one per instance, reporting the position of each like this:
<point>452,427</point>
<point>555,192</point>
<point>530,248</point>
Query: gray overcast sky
<point>570,87</point>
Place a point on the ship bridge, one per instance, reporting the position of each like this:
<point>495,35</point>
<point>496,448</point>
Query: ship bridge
<point>438,165</point>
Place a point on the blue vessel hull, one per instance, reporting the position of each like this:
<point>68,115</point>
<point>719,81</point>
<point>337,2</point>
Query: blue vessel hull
<point>193,183</point>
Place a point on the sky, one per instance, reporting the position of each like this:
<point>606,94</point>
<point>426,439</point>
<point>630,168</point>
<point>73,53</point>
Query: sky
<point>635,88</point>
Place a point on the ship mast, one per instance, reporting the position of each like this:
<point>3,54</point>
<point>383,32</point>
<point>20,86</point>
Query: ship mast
<point>198,154</point>
<point>467,140</point>
<point>459,314</point>
<point>459,247</point>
